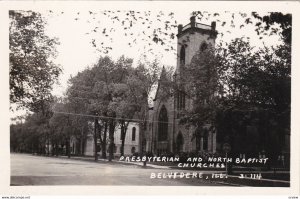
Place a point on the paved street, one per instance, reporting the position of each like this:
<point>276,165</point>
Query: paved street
<point>38,170</point>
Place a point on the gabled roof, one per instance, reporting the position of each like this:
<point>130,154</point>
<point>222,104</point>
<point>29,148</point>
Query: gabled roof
<point>163,76</point>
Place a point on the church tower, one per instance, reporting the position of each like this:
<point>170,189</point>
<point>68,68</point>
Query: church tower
<point>165,134</point>
<point>191,38</point>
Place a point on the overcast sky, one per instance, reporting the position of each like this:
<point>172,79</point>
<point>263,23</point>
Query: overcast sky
<point>76,52</point>
<point>73,28</point>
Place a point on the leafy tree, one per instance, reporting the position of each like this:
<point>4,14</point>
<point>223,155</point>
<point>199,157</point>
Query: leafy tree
<point>284,20</point>
<point>80,94</point>
<point>159,29</point>
<point>231,85</point>
<point>156,30</point>
<point>100,89</point>
<point>67,126</point>
<point>32,71</point>
<point>33,134</point>
<point>125,109</point>
<point>236,87</point>
<point>115,93</point>
<point>141,82</point>
<point>204,88</point>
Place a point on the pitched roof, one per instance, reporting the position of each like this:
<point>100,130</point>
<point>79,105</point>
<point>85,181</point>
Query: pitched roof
<point>163,76</point>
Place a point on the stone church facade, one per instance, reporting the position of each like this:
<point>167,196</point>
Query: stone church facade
<point>165,134</point>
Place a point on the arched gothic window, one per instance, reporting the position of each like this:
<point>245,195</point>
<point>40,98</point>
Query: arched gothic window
<point>133,133</point>
<point>182,55</point>
<point>163,124</point>
<point>183,100</point>
<point>202,139</point>
<point>180,100</point>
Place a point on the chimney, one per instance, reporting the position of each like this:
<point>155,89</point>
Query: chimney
<point>213,25</point>
<point>193,21</point>
<point>180,28</point>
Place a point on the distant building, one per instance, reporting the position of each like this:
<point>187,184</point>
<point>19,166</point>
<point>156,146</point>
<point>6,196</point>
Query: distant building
<point>132,140</point>
<point>89,146</point>
<point>131,146</point>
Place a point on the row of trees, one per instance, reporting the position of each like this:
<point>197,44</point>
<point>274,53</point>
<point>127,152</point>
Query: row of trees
<point>114,93</point>
<point>247,85</point>
<point>106,96</point>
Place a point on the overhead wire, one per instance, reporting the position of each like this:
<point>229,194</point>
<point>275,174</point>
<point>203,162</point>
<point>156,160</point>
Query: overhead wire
<point>108,117</point>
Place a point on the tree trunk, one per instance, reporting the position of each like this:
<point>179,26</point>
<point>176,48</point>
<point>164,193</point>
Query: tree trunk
<point>111,139</point>
<point>122,147</point>
<point>123,135</point>
<point>48,146</point>
<point>81,143</point>
<point>81,147</point>
<point>52,151</point>
<point>68,148</point>
<point>104,142</point>
<point>95,140</point>
<point>56,149</point>
<point>122,138</point>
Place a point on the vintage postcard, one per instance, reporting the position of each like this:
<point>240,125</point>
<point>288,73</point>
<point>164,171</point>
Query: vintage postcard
<point>148,97</point>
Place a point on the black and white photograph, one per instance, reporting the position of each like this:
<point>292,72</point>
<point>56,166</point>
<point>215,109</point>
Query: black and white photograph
<point>178,96</point>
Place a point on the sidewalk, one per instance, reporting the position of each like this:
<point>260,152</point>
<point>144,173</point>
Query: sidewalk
<point>89,158</point>
<point>237,169</point>
<point>229,180</point>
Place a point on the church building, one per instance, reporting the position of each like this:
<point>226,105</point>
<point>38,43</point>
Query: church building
<point>165,134</point>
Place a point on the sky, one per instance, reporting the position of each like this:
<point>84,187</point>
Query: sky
<point>76,52</point>
<point>74,31</point>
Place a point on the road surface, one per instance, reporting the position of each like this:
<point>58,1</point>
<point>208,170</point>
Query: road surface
<point>38,170</point>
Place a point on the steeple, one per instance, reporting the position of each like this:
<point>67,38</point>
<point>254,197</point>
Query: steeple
<point>163,79</point>
<point>163,75</point>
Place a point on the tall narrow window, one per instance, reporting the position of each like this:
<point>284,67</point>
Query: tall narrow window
<point>183,101</point>
<point>180,100</point>
<point>198,143</point>
<point>133,133</point>
<point>163,124</point>
<point>182,55</point>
